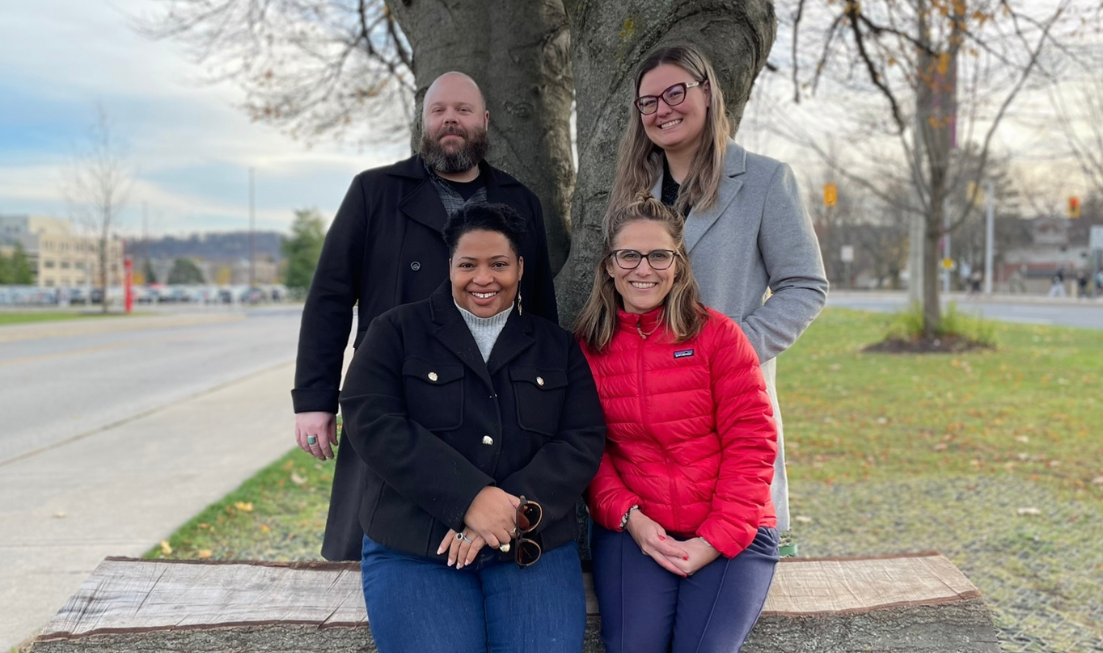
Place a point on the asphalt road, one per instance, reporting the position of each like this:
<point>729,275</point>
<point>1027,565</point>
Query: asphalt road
<point>1086,314</point>
<point>67,380</point>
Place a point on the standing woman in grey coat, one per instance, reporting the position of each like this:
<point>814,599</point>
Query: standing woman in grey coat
<point>751,243</point>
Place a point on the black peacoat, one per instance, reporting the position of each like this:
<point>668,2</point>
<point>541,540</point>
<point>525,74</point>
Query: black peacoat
<point>434,424</point>
<point>385,249</point>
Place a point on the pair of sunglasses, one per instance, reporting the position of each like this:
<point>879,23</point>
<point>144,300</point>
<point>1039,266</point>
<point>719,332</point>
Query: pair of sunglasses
<point>529,514</point>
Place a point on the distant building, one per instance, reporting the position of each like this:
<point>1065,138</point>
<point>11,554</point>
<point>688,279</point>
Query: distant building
<point>59,257</point>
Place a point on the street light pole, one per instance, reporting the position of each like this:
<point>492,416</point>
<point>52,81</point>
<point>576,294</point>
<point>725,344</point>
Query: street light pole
<point>252,229</point>
<point>989,236</point>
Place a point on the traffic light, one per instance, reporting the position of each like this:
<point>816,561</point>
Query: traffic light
<point>1074,208</point>
<point>830,194</point>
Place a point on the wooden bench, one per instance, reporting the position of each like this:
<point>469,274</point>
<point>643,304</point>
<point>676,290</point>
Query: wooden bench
<point>908,603</point>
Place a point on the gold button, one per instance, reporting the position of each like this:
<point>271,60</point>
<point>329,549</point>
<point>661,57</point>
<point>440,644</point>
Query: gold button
<point>487,440</point>
<point>540,381</point>
<point>432,376</point>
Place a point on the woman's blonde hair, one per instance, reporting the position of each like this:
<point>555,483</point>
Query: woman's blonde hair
<point>640,162</point>
<point>683,314</point>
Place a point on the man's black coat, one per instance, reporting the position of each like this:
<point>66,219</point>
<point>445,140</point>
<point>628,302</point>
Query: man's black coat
<point>435,424</point>
<point>385,249</point>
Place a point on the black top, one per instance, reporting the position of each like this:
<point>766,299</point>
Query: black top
<point>670,187</point>
<point>466,188</point>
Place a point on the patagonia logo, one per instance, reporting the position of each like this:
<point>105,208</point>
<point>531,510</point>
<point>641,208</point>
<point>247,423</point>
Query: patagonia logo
<point>683,353</point>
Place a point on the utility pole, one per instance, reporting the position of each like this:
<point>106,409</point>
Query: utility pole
<point>989,235</point>
<point>252,228</point>
<point>145,242</point>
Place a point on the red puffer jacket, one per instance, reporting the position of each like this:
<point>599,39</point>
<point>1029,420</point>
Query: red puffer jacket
<point>691,436</point>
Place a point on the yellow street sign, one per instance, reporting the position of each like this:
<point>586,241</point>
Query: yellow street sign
<point>830,194</point>
<point>947,264</point>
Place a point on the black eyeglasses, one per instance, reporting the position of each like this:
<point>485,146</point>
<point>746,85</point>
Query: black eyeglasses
<point>529,514</point>
<point>673,96</point>
<point>658,259</point>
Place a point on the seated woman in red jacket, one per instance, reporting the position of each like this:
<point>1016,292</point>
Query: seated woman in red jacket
<point>689,453</point>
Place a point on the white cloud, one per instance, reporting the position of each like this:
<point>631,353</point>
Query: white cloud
<point>189,145</point>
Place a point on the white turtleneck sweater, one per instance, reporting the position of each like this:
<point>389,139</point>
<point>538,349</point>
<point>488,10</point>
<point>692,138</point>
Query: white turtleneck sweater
<point>485,329</point>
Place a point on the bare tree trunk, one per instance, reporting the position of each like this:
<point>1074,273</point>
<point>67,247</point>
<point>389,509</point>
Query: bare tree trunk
<point>608,40</point>
<point>519,53</point>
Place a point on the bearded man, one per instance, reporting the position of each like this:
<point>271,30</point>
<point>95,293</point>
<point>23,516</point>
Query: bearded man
<point>384,249</point>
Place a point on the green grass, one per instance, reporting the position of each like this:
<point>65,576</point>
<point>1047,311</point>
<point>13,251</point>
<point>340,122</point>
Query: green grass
<point>908,325</point>
<point>1032,407</point>
<point>278,514</point>
<point>50,316</point>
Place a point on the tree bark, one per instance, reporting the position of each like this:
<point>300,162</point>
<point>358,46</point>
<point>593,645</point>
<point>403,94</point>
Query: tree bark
<point>518,53</point>
<point>608,40</point>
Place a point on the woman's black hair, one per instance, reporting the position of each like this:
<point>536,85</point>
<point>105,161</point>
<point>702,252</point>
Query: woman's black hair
<point>481,216</point>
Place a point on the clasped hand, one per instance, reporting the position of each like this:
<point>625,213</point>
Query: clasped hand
<point>681,557</point>
<point>490,519</point>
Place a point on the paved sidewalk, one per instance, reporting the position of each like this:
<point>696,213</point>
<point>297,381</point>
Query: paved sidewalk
<point>121,490</point>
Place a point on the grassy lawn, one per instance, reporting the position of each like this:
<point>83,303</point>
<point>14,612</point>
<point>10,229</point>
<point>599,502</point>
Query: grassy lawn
<point>50,316</point>
<point>994,458</point>
<point>1031,408</point>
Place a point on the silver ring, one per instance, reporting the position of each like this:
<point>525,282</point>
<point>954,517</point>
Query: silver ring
<point>462,537</point>
<point>312,440</point>
<point>504,548</point>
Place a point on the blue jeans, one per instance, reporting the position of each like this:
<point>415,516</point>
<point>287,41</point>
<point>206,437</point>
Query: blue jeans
<point>647,609</point>
<point>418,605</point>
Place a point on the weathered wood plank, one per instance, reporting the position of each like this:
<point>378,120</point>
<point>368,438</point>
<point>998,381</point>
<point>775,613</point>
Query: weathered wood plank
<point>901,603</point>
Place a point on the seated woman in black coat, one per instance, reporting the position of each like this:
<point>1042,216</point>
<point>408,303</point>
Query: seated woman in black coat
<point>481,427</point>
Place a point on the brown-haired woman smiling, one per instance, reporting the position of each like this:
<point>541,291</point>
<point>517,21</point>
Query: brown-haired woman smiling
<point>480,426</point>
<point>689,457</point>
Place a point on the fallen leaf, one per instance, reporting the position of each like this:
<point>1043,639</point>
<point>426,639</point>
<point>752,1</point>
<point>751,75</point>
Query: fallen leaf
<point>1023,439</point>
<point>243,506</point>
<point>204,525</point>
<point>1029,511</point>
<point>165,548</point>
<point>1098,480</point>
<point>203,554</point>
<point>60,514</point>
<point>264,528</point>
<point>803,519</point>
<point>296,479</point>
<point>941,446</point>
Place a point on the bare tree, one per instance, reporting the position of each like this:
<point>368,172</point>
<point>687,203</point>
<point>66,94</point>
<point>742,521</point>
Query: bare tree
<point>96,187</point>
<point>944,72</point>
<point>341,68</point>
<point>345,69</point>
<point>1079,113</point>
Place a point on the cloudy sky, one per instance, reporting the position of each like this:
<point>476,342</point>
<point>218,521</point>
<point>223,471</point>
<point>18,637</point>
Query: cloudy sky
<point>189,146</point>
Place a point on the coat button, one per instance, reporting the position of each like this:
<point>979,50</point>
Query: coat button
<point>488,441</point>
<point>540,381</point>
<point>415,266</point>
<point>433,376</point>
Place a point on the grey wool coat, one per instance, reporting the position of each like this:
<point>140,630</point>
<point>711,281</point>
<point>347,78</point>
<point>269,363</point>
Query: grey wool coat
<point>757,260</point>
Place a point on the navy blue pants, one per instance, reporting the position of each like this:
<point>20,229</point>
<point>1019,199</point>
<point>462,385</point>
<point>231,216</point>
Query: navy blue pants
<point>647,609</point>
<point>418,605</point>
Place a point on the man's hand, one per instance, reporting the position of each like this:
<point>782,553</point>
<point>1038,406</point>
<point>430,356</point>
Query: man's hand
<point>322,427</point>
<point>653,541</point>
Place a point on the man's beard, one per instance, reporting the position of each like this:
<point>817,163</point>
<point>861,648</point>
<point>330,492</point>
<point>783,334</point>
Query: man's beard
<point>474,149</point>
